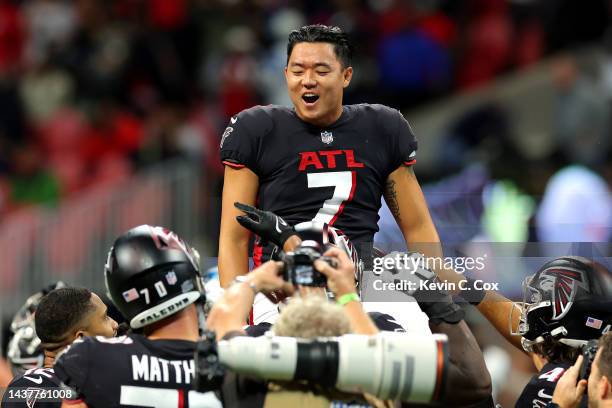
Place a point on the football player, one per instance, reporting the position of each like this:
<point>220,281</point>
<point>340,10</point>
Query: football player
<point>153,278</point>
<point>62,316</point>
<point>24,349</point>
<point>566,303</point>
<point>321,160</point>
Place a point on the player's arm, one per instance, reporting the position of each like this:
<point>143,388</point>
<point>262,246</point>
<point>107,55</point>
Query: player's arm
<point>407,204</point>
<point>469,381</point>
<point>229,313</point>
<point>497,309</point>
<point>239,185</point>
<point>500,311</point>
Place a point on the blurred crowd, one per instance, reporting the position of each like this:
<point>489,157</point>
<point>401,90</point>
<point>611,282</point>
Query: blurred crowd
<point>92,90</point>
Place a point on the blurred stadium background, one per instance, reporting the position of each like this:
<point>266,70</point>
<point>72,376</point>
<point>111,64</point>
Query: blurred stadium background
<point>111,113</point>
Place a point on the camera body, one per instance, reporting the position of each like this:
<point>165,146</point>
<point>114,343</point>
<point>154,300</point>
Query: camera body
<point>298,265</point>
<point>588,354</point>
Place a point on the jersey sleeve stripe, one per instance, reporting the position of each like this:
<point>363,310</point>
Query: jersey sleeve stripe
<point>234,165</point>
<point>410,162</point>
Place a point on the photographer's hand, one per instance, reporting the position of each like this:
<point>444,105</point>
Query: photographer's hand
<point>266,224</point>
<point>569,391</point>
<point>267,278</point>
<point>231,311</point>
<point>341,281</point>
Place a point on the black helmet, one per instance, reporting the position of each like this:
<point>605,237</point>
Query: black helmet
<point>569,300</point>
<point>151,274</point>
<point>24,350</point>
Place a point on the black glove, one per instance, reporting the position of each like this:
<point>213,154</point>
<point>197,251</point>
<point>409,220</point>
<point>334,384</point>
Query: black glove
<point>433,299</point>
<point>266,224</point>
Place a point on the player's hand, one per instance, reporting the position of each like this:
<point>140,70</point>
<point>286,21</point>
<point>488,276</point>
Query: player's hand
<point>266,224</point>
<point>341,278</point>
<point>268,278</point>
<point>569,391</point>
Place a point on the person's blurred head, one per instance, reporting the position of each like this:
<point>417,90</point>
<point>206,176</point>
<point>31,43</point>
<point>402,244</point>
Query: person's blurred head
<point>66,314</point>
<point>600,379</point>
<point>311,316</point>
<point>318,69</point>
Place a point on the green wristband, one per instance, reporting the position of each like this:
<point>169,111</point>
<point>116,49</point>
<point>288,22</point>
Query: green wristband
<point>349,297</point>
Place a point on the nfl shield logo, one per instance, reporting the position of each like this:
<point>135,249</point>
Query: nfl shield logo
<point>327,137</point>
<point>171,278</point>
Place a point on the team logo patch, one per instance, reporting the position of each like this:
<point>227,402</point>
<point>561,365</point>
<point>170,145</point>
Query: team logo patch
<point>327,137</point>
<point>226,133</point>
<point>565,284</point>
<point>32,395</point>
<point>171,278</point>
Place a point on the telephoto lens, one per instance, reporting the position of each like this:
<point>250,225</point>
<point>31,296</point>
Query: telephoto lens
<point>387,365</point>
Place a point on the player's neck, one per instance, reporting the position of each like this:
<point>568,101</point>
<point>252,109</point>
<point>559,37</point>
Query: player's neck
<point>181,326</point>
<point>49,359</point>
<point>326,120</point>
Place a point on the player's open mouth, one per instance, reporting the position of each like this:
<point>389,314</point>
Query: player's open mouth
<point>310,98</point>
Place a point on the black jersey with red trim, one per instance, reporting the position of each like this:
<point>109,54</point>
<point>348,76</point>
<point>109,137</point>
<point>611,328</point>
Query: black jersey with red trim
<point>37,387</point>
<point>132,371</point>
<point>539,390</point>
<point>335,174</point>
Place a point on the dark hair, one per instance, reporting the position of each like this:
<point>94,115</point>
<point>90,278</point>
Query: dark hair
<point>326,34</point>
<point>60,311</point>
<point>605,358</point>
<point>556,352</point>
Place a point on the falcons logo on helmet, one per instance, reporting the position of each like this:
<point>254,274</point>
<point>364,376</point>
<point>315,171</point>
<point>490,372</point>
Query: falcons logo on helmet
<point>164,238</point>
<point>563,284</point>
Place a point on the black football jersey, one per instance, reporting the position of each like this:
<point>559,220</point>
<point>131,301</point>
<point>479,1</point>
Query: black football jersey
<point>334,175</point>
<point>132,371</point>
<point>539,390</point>
<point>37,387</point>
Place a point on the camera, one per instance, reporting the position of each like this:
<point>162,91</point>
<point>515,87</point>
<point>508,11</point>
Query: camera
<point>298,265</point>
<point>588,354</point>
<point>387,365</point>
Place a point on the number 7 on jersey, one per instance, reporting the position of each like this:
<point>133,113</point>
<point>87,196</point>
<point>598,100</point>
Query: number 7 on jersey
<point>344,188</point>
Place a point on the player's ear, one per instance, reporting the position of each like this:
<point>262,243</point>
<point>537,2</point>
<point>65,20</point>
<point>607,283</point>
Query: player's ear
<point>286,71</point>
<point>348,75</point>
<point>604,388</point>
